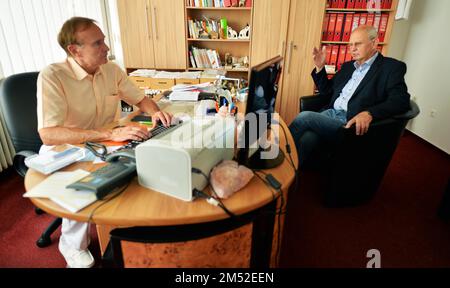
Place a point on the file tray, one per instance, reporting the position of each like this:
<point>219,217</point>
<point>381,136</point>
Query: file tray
<point>51,161</point>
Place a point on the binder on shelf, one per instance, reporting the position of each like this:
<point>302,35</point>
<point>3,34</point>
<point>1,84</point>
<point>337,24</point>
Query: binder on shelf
<point>338,29</point>
<point>248,3</point>
<point>355,21</point>
<point>328,57</point>
<point>334,55</point>
<point>326,18</point>
<point>331,26</point>
<point>359,4</point>
<point>334,3</point>
<point>341,4</point>
<point>341,56</point>
<point>350,4</point>
<point>363,19</point>
<point>383,27</point>
<point>347,27</point>
<point>376,22</point>
<point>387,4</point>
<point>370,19</point>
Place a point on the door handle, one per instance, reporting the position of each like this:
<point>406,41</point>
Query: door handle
<point>288,61</point>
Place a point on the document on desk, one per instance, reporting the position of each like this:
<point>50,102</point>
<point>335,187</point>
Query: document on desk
<point>184,96</point>
<point>54,188</point>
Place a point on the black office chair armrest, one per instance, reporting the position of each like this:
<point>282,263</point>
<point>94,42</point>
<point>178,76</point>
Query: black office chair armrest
<point>312,102</point>
<point>19,162</point>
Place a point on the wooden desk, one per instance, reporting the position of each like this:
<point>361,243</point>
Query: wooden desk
<point>139,206</point>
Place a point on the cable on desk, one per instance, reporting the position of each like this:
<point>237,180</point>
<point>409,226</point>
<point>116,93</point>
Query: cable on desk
<point>210,199</point>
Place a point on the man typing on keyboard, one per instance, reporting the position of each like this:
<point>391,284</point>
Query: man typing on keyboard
<point>78,97</point>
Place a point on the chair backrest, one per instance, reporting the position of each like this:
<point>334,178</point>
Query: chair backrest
<point>18,104</point>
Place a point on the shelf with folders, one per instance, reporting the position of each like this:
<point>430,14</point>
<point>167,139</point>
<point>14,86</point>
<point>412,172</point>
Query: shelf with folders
<point>224,31</point>
<point>343,16</point>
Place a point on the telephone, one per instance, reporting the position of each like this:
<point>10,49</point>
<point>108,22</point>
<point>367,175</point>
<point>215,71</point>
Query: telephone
<point>119,170</point>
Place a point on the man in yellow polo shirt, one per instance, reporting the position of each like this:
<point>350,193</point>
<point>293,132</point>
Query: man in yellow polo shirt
<point>76,99</point>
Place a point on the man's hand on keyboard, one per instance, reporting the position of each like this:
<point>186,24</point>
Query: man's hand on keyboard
<point>131,132</point>
<point>163,117</point>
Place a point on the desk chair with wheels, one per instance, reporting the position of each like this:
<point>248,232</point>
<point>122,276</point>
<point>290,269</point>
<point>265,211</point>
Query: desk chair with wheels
<point>354,166</point>
<point>18,105</point>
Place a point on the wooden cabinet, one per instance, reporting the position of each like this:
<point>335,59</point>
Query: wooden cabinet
<point>290,28</point>
<point>152,33</point>
<point>237,18</point>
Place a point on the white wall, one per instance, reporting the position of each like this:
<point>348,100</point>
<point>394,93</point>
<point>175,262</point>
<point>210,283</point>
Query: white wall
<point>423,42</point>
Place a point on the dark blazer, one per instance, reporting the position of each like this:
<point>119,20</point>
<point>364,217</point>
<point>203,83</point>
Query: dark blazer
<point>382,92</point>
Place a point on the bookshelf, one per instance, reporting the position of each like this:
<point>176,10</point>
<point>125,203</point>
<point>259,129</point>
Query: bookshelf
<point>347,15</point>
<point>207,45</point>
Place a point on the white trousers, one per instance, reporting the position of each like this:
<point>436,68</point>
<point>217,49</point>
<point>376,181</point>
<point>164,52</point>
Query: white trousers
<point>74,234</point>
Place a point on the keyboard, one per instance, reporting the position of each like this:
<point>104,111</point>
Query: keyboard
<point>106,179</point>
<point>158,130</point>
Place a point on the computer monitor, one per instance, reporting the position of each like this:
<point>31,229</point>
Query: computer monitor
<point>254,149</point>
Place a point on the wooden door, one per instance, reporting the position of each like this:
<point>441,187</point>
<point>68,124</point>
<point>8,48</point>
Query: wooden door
<point>168,26</point>
<point>305,31</point>
<point>136,34</point>
<point>269,33</point>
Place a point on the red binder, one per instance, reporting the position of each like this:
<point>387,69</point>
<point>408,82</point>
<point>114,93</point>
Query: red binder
<point>359,4</point>
<point>350,4</point>
<point>334,3</point>
<point>226,3</point>
<point>334,55</point>
<point>363,19</point>
<point>341,4</point>
<point>370,19</point>
<point>328,5</point>
<point>347,27</point>
<point>387,4</point>
<point>356,21</point>
<point>383,27</point>
<point>341,57</point>
<point>338,28</point>
<point>325,26</point>
<point>248,3</point>
<point>376,21</point>
<point>328,49</point>
<point>331,26</point>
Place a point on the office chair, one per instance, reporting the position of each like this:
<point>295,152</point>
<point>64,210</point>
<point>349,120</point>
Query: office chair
<point>18,105</point>
<point>353,167</point>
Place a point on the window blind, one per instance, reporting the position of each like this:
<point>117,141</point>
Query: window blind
<point>28,41</point>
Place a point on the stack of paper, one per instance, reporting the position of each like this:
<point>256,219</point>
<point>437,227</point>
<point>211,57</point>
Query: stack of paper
<point>54,188</point>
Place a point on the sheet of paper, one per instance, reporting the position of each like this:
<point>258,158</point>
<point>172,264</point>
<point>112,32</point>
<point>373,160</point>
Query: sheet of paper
<point>54,188</point>
<point>183,96</point>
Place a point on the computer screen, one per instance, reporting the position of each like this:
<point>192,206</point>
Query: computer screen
<point>263,88</point>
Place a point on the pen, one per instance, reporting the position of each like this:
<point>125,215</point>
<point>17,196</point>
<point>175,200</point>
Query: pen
<point>146,123</point>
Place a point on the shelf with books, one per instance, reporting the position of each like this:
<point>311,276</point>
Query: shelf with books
<point>343,16</point>
<point>219,8</point>
<point>223,32</point>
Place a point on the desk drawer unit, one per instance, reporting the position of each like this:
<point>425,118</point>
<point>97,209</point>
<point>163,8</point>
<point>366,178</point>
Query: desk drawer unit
<point>187,81</point>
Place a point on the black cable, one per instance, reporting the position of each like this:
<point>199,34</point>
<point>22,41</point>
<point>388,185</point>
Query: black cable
<point>209,198</point>
<point>113,195</point>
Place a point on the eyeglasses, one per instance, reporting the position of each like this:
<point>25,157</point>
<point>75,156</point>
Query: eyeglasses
<point>101,152</point>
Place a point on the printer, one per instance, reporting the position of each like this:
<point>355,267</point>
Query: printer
<point>164,163</point>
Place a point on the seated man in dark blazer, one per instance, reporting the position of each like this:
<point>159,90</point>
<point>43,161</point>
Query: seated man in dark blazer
<point>369,87</point>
